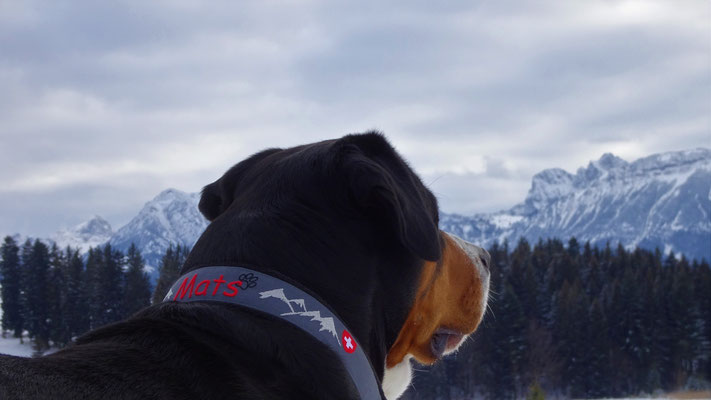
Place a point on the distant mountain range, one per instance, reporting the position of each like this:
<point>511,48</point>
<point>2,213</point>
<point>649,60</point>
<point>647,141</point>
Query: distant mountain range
<point>172,217</point>
<point>663,200</point>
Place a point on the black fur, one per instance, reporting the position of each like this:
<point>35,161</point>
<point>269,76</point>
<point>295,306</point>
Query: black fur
<point>347,219</point>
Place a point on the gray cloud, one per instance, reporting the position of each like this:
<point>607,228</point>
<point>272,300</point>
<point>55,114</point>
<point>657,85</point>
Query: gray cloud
<point>106,104</point>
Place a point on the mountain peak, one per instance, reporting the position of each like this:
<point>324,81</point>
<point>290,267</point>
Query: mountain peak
<point>657,201</point>
<point>609,161</point>
<point>608,165</point>
<point>170,195</point>
<point>680,160</point>
<point>91,233</point>
<point>547,185</point>
<point>170,192</point>
<point>172,217</point>
<point>96,225</point>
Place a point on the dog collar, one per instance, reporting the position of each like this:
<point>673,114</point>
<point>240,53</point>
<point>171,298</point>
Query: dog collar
<point>266,293</point>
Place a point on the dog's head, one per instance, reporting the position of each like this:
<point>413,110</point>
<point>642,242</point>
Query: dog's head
<point>351,221</point>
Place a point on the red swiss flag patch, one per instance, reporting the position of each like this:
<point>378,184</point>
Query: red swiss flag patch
<point>349,344</point>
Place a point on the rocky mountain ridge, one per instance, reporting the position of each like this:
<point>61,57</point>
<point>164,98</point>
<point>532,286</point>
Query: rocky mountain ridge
<point>663,200</point>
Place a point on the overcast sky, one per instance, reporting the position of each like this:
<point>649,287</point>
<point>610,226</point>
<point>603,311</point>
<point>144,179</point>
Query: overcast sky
<point>105,104</point>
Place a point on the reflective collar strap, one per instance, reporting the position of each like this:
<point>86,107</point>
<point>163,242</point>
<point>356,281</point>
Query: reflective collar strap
<point>259,291</point>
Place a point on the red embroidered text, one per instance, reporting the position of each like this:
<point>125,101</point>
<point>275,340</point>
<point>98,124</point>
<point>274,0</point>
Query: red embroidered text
<point>188,287</point>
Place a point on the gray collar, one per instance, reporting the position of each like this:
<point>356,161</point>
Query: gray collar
<point>257,290</point>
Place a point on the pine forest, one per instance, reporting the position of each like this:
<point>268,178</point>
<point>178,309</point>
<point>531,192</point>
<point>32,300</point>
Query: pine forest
<point>564,320</point>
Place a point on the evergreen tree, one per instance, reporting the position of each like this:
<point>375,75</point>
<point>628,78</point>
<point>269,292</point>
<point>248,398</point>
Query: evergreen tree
<point>138,286</point>
<point>110,286</point>
<point>25,258</point>
<point>11,283</point>
<point>574,247</point>
<point>702,278</point>
<point>481,361</point>
<point>595,367</point>
<point>56,296</point>
<point>76,306</point>
<point>543,364</point>
<point>511,324</point>
<point>656,323</point>
<point>35,270</point>
<point>94,264</point>
<point>570,305</point>
<point>685,328</point>
<point>169,271</point>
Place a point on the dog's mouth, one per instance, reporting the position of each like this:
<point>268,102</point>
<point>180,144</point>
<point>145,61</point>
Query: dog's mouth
<point>445,341</point>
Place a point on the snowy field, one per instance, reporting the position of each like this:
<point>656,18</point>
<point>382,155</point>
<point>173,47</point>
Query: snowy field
<point>10,345</point>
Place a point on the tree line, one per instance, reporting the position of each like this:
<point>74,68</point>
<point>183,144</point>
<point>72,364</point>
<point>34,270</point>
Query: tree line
<point>571,320</point>
<point>582,322</point>
<point>55,295</point>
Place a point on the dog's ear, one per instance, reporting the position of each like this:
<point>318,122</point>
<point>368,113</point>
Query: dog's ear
<point>383,184</point>
<point>214,200</point>
<point>218,196</point>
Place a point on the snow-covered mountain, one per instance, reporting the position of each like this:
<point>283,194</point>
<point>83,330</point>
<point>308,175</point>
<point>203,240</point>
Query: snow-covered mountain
<point>92,233</point>
<point>663,200</point>
<point>172,217</point>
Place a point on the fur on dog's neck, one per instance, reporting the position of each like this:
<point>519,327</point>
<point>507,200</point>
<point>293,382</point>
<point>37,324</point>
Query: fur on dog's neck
<point>345,272</point>
<point>246,287</point>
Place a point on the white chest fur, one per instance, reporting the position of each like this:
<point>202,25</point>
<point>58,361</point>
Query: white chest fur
<point>397,379</point>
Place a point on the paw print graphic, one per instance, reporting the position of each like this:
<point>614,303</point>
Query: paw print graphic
<point>248,280</point>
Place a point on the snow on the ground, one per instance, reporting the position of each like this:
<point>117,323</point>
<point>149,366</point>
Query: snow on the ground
<point>12,346</point>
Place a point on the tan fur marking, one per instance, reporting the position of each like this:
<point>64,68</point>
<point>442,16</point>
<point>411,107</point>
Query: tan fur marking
<point>452,299</point>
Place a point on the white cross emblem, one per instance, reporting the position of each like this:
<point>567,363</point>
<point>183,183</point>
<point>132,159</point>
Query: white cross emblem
<point>349,342</point>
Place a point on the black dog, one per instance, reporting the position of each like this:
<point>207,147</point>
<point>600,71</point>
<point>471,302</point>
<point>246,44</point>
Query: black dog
<point>346,221</point>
